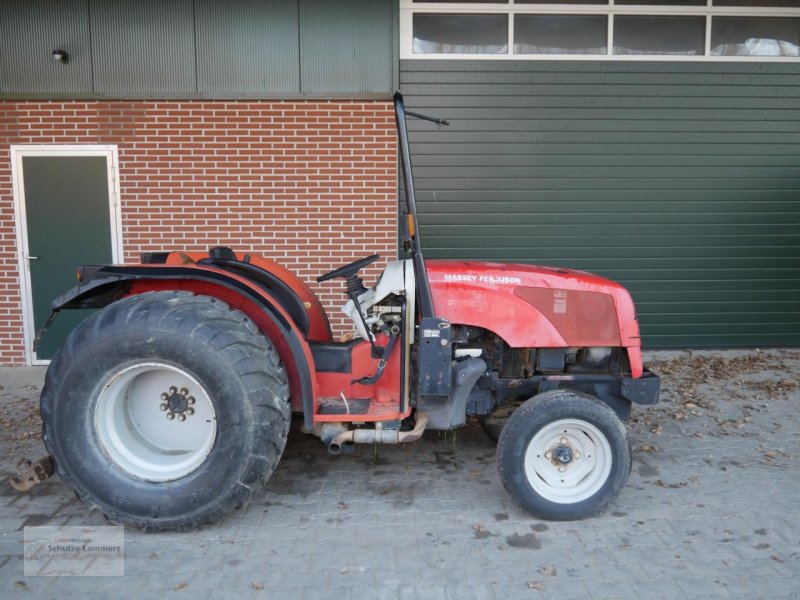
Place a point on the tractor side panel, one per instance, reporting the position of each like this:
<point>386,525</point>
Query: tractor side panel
<point>319,326</point>
<point>385,394</point>
<point>584,319</point>
<point>537,307</point>
<point>514,319</point>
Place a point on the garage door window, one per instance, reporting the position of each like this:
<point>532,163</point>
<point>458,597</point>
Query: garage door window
<point>438,33</point>
<point>646,34</point>
<point>560,34</point>
<point>706,30</point>
<point>755,36</point>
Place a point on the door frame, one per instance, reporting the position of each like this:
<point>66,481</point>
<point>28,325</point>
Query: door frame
<point>20,151</point>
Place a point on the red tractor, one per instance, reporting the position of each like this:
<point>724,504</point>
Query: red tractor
<point>171,405</point>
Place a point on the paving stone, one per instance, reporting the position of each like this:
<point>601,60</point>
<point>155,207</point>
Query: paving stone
<point>708,513</point>
<point>702,587</point>
<point>469,592</point>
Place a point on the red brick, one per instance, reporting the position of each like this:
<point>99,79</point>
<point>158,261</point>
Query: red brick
<point>310,184</point>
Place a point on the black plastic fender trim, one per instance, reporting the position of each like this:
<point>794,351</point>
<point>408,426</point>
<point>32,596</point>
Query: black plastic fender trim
<point>288,299</point>
<point>642,390</point>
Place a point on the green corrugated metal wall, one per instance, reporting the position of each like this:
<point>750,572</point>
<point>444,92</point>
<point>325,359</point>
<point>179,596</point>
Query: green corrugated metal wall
<point>679,180</point>
<point>198,48</point>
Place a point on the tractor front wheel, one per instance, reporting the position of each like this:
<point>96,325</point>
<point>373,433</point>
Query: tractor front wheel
<point>165,410</point>
<point>563,455</point>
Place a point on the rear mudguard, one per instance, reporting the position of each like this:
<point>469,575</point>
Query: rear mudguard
<point>102,285</point>
<point>293,293</point>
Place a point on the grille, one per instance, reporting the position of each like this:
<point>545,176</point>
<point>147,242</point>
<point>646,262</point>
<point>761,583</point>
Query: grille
<point>516,363</point>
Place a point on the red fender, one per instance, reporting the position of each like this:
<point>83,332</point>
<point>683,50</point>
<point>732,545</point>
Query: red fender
<point>100,285</point>
<point>319,327</point>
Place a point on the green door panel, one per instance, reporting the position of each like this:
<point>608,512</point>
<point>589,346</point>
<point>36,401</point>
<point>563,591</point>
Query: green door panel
<point>68,223</point>
<point>679,180</point>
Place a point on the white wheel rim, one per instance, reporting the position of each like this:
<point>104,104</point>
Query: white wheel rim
<point>134,427</point>
<point>586,472</point>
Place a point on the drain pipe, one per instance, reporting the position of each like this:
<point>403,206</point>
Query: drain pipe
<point>379,435</point>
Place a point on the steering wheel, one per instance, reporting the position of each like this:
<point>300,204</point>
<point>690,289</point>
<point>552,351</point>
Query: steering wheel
<point>349,270</point>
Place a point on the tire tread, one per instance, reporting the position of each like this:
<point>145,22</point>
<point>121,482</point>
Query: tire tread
<point>185,314</point>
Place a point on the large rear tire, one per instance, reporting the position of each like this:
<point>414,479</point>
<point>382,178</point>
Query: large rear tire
<point>563,455</point>
<point>166,410</point>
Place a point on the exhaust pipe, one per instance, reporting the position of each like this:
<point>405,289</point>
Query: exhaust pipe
<point>380,436</point>
<point>335,449</point>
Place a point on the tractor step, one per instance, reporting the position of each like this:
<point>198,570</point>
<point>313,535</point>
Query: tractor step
<point>357,409</point>
<point>339,406</point>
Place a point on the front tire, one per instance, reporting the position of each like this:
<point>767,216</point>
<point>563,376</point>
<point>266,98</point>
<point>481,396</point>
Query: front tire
<point>166,410</point>
<point>563,455</point>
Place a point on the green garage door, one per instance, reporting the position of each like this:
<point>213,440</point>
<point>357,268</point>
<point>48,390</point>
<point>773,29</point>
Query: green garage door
<point>681,181</point>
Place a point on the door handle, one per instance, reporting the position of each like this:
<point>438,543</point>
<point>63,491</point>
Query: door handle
<point>29,257</point>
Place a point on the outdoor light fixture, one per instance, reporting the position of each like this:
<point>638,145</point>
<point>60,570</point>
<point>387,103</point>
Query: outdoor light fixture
<point>60,56</point>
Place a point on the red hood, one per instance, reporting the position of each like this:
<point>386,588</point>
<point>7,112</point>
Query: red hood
<point>492,274</point>
<point>536,307</point>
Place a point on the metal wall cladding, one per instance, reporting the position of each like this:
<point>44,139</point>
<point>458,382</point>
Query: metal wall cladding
<point>679,180</point>
<point>243,47</point>
<point>29,32</point>
<point>143,47</point>
<point>346,45</point>
<point>198,48</point>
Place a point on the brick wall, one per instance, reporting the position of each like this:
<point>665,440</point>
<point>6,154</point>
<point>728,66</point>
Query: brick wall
<point>310,184</point>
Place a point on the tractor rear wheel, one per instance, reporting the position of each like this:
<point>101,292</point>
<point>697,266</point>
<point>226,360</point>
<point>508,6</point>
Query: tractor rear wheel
<point>563,455</point>
<point>166,410</point>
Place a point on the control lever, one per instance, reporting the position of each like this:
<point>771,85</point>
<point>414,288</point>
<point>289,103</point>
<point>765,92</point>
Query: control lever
<point>387,351</point>
<point>353,295</point>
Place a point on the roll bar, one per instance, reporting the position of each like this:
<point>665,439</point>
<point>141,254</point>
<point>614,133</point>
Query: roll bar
<point>411,239</point>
